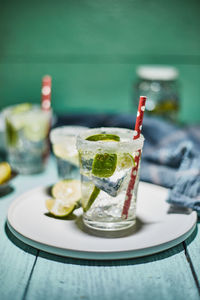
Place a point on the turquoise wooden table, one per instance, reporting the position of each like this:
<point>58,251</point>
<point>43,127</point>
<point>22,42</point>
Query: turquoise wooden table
<point>28,273</point>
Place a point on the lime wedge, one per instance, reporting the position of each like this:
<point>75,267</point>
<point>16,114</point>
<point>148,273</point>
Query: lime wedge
<point>11,134</point>
<point>104,165</point>
<point>59,207</point>
<point>67,189</point>
<point>16,122</point>
<point>125,161</point>
<point>103,137</point>
<point>89,194</point>
<point>5,172</point>
<point>20,108</point>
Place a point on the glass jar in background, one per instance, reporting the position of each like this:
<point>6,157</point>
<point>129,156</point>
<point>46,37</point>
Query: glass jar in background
<point>160,85</point>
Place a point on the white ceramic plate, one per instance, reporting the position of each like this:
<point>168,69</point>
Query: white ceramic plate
<point>157,228</point>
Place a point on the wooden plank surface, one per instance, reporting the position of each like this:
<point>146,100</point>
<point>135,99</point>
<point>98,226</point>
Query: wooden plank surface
<point>163,276</point>
<point>17,259</point>
<point>30,274</point>
<point>193,252</point>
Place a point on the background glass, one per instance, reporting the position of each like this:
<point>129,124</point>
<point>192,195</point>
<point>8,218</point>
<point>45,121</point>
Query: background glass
<point>27,128</point>
<point>63,141</point>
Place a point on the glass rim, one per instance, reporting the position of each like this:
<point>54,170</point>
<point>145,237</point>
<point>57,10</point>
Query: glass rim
<point>111,146</point>
<point>7,111</point>
<point>60,133</point>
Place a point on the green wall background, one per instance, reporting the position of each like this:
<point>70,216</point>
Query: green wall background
<point>91,49</point>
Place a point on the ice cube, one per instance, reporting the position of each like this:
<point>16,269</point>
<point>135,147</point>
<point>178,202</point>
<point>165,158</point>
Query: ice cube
<point>86,164</point>
<point>112,184</point>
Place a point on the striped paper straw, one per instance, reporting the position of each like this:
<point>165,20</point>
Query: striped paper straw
<point>46,93</point>
<point>137,131</point>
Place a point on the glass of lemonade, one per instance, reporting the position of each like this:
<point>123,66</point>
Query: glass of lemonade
<point>27,128</point>
<point>107,156</point>
<point>63,141</point>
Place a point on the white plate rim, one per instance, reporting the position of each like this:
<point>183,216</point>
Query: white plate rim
<point>91,254</point>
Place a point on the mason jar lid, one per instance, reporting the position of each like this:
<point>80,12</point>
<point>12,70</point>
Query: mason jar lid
<point>157,72</point>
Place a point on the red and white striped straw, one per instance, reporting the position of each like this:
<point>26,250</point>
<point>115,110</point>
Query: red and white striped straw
<point>137,131</point>
<point>46,93</point>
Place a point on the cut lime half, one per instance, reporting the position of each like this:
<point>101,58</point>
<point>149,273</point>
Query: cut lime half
<point>67,189</point>
<point>66,196</point>
<point>59,207</point>
<point>5,172</point>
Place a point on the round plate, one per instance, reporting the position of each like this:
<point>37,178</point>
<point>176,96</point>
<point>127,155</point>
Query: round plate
<point>158,227</point>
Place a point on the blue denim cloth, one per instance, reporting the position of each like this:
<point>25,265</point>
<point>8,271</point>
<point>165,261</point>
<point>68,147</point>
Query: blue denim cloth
<point>170,158</point>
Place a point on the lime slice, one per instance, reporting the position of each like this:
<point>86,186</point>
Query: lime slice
<point>89,194</point>
<point>20,108</point>
<point>36,126</point>
<point>68,190</point>
<point>103,137</point>
<point>5,172</point>
<point>125,161</point>
<point>67,151</point>
<point>104,165</point>
<point>59,207</point>
<point>37,131</point>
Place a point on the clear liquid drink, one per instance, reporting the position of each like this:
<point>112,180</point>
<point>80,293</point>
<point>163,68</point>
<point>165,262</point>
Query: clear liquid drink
<point>27,128</point>
<point>107,156</point>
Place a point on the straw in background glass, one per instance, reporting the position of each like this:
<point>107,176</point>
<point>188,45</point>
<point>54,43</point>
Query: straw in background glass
<point>46,106</point>
<point>137,131</point>
<point>46,93</point>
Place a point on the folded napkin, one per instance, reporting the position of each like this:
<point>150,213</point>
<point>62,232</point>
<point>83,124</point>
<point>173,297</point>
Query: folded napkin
<point>170,158</point>
<point>171,154</point>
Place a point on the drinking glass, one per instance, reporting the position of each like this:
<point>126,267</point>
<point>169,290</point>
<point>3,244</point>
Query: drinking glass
<point>27,128</point>
<point>63,140</point>
<point>107,156</point>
